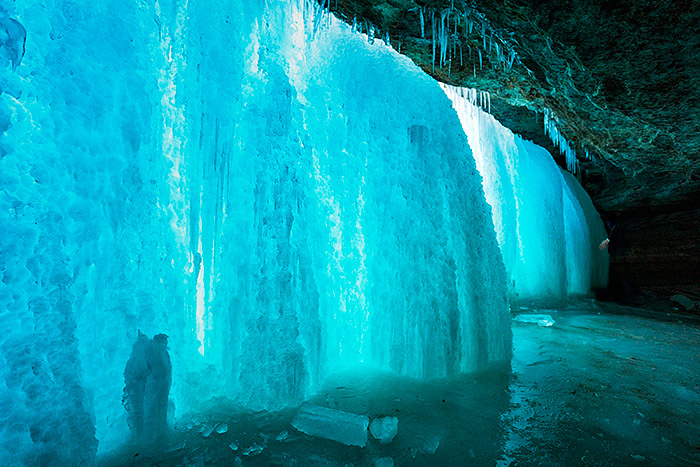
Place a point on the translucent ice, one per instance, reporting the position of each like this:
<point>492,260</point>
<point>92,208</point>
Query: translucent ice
<point>343,427</point>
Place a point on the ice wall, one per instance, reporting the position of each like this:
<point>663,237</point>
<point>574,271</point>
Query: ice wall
<point>250,178</point>
<point>546,225</point>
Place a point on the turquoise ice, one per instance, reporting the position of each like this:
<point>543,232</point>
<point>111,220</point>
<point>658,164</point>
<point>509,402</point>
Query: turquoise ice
<point>277,195</point>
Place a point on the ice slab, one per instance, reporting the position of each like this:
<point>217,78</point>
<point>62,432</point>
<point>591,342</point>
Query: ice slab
<point>541,320</point>
<point>343,427</point>
<point>384,429</point>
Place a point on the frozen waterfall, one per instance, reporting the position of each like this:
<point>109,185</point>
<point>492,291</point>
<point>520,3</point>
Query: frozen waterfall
<point>253,180</point>
<point>547,227</point>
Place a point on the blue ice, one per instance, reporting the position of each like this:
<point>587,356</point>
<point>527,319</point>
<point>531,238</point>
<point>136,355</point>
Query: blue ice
<point>251,179</point>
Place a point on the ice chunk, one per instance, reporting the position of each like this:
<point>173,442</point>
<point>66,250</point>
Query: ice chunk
<point>384,429</point>
<point>343,427</point>
<point>541,320</point>
<point>282,436</point>
<point>253,450</point>
<point>221,428</point>
<point>233,446</point>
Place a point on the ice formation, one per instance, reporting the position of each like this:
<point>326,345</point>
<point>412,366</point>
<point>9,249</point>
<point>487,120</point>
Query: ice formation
<point>147,380</point>
<point>559,140</point>
<point>252,179</point>
<point>343,427</point>
<point>547,227</point>
<point>452,29</point>
<point>384,429</point>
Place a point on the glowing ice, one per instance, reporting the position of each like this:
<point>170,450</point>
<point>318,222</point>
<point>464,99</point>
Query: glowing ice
<point>242,183</point>
<point>546,224</point>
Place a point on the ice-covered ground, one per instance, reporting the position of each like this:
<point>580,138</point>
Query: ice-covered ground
<point>603,385</point>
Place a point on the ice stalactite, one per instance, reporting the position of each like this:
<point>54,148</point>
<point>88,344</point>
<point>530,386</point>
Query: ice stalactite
<point>231,176</point>
<point>547,227</point>
<point>559,141</point>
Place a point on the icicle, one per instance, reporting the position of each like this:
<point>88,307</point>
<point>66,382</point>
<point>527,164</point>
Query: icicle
<point>444,28</point>
<point>480,62</point>
<point>370,35</point>
<point>422,23</point>
<point>461,62</point>
<point>354,24</point>
<point>560,142</point>
<point>432,20</point>
<point>483,35</point>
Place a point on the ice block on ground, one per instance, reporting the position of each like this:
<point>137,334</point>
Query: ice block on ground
<point>541,320</point>
<point>343,427</point>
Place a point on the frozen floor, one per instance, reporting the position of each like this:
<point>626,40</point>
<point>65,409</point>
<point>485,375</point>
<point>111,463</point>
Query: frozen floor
<point>608,386</point>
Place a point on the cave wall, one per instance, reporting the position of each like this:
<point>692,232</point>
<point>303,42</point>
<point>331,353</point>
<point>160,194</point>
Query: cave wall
<point>659,250</point>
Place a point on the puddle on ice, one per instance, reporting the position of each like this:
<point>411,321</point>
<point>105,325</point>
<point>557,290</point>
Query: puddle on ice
<point>599,387</point>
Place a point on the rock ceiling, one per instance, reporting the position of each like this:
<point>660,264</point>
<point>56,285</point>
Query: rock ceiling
<point>620,78</point>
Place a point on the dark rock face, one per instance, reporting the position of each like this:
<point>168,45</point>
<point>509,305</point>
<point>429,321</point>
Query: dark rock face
<point>621,79</point>
<point>658,250</point>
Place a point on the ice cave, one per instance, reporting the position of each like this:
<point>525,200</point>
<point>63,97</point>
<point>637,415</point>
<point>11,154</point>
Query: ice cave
<point>343,233</point>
